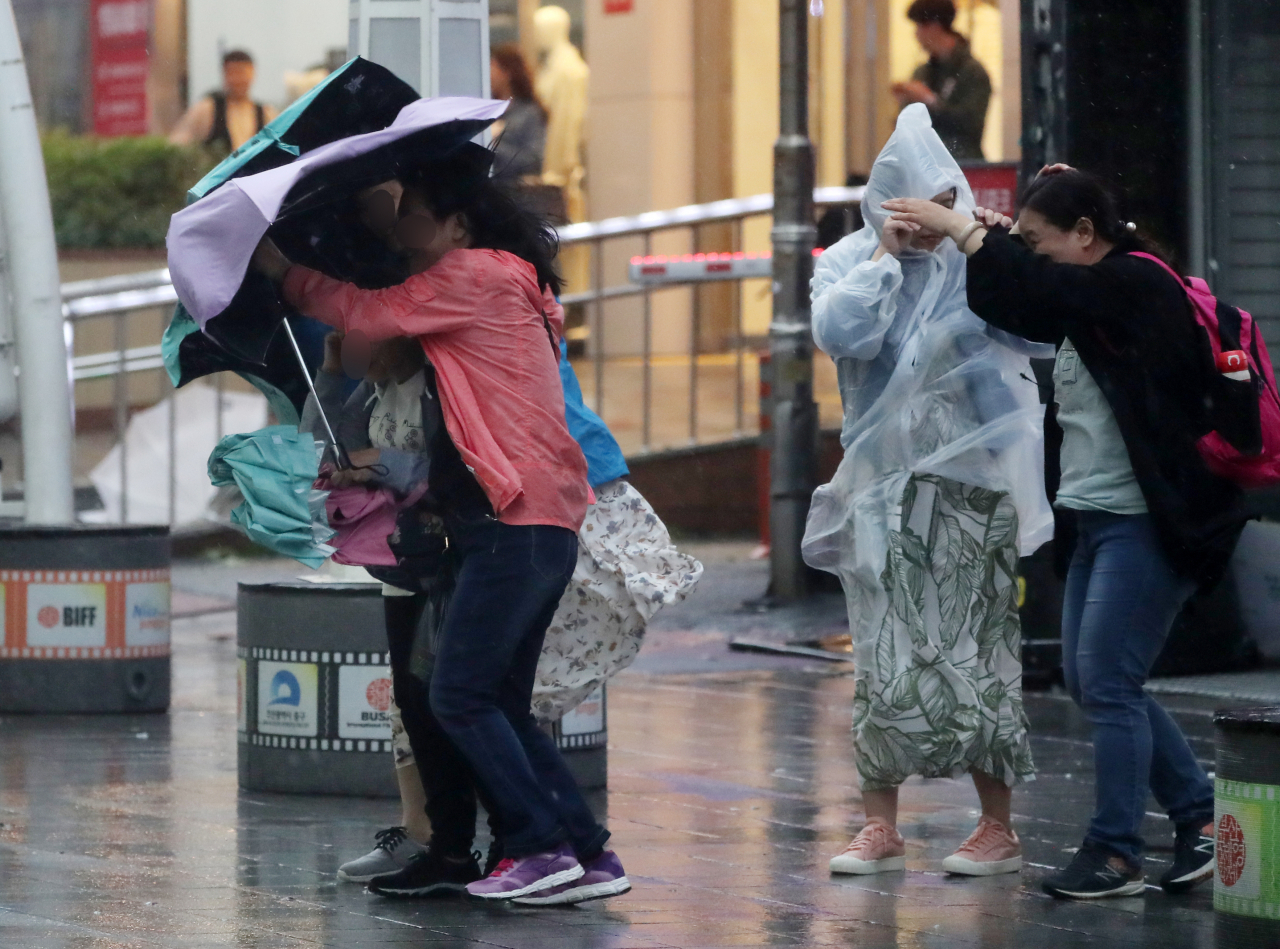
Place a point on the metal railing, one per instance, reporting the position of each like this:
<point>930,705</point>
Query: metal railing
<point>120,298</point>
<point>646,227</point>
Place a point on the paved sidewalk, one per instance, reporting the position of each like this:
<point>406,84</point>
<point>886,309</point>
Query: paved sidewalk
<point>731,787</point>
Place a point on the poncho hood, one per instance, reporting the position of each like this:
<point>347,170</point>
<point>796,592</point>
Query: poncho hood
<point>913,164</point>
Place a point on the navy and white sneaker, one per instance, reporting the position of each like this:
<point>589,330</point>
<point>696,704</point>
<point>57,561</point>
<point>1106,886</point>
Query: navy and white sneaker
<point>1095,873</point>
<point>1193,859</point>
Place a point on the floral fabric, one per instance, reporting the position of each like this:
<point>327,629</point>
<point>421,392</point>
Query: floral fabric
<point>627,570</point>
<point>396,420</point>
<point>938,686</point>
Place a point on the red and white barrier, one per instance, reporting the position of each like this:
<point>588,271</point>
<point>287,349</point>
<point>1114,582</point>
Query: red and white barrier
<point>698,268</point>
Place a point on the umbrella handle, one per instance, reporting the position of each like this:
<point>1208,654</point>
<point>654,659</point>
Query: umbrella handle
<point>339,453</point>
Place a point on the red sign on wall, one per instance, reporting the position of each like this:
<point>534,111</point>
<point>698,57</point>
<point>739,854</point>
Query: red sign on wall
<point>617,6</point>
<point>119,31</point>
<point>994,185</point>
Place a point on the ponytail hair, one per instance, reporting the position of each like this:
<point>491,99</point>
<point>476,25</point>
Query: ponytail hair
<point>495,217</point>
<point>1064,198</point>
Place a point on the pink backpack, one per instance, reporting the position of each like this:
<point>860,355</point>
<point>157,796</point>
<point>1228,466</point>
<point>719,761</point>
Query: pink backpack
<point>1241,355</point>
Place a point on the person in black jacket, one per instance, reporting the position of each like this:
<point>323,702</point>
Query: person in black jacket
<point>1133,395</point>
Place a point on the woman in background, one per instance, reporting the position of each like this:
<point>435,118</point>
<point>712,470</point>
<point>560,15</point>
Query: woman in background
<point>522,133</point>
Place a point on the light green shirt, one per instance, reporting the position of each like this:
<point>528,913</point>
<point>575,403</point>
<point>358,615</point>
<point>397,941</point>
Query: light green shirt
<point>1096,472</point>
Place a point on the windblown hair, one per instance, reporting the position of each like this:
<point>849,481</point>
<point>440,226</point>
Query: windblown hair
<point>495,217</point>
<point>1063,199</point>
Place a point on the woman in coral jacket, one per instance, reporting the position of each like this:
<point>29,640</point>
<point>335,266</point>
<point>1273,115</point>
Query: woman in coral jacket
<point>481,302</point>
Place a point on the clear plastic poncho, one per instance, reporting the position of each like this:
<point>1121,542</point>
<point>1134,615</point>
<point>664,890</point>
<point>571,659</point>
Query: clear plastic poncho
<point>927,386</point>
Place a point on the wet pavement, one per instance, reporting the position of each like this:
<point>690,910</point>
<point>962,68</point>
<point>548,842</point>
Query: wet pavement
<point>731,785</point>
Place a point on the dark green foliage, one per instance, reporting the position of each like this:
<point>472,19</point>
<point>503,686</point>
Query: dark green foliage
<point>118,192</point>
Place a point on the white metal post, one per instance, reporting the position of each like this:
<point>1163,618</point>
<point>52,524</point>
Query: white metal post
<point>8,381</point>
<point>32,274</point>
<point>440,47</point>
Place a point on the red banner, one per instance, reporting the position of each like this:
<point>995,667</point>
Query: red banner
<point>119,32</point>
<point>994,185</point>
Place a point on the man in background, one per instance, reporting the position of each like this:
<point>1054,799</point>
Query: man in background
<point>225,120</point>
<point>952,84</point>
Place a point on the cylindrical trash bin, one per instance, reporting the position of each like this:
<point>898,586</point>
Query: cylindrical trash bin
<point>582,735</point>
<point>84,619</point>
<point>1246,884</point>
<point>314,689</point>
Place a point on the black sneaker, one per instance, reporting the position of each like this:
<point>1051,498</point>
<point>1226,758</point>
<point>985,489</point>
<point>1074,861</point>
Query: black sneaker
<point>428,873</point>
<point>1193,859</point>
<point>1093,875</point>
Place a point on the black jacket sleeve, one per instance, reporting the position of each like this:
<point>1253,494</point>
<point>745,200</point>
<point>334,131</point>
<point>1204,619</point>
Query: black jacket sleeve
<point>1033,297</point>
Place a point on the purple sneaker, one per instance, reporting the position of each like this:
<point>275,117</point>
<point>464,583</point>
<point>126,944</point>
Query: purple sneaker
<point>604,877</point>
<point>526,875</point>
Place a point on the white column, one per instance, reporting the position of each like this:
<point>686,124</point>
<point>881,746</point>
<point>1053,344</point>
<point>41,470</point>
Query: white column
<point>440,47</point>
<point>32,274</point>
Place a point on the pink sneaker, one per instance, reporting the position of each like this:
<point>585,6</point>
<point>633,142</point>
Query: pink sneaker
<point>527,875</point>
<point>992,848</point>
<point>877,849</point>
<point>602,878</point>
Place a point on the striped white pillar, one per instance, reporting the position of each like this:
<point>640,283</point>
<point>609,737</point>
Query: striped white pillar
<point>440,47</point>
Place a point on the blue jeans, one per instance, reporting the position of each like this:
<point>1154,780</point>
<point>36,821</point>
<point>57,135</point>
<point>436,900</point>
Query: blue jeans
<point>1121,599</point>
<point>510,580</point>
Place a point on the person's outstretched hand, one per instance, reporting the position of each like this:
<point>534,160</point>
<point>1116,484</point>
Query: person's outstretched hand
<point>897,236</point>
<point>924,213</point>
<point>914,90</point>
<point>990,218</point>
<point>268,260</point>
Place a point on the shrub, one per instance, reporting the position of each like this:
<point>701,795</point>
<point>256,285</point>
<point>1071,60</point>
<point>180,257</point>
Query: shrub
<point>117,192</point>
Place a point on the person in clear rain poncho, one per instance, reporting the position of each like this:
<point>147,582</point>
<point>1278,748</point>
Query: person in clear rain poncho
<point>939,493</point>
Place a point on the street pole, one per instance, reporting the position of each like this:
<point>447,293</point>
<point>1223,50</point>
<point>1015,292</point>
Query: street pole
<point>31,271</point>
<point>793,464</point>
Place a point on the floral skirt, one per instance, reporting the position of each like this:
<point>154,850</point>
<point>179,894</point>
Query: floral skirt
<point>939,689</point>
<point>627,570</point>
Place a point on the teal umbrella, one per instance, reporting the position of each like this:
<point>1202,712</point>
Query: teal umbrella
<point>273,469</point>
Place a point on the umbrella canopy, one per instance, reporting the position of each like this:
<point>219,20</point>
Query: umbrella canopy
<point>274,469</point>
<point>357,98</point>
<point>211,241</point>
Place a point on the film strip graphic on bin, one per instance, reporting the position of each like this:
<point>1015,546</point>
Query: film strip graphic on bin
<point>84,614</point>
<point>586,726</point>
<point>313,700</point>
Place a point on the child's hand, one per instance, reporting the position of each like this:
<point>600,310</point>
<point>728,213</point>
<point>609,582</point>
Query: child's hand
<point>346,477</point>
<point>332,355</point>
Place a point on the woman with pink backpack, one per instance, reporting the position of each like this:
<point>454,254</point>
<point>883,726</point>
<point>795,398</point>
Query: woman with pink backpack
<point>1155,516</point>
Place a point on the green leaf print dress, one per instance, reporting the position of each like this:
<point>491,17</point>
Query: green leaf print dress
<point>940,490</point>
